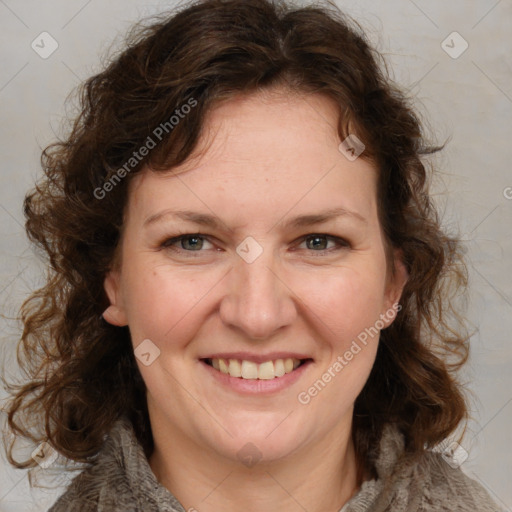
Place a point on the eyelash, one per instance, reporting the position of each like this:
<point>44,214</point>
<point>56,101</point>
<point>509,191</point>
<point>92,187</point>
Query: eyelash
<point>342,243</point>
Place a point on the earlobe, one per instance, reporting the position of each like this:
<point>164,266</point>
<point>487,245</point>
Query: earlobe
<point>115,313</point>
<point>115,316</point>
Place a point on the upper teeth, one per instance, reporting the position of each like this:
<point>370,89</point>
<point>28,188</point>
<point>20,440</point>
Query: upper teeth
<point>251,370</point>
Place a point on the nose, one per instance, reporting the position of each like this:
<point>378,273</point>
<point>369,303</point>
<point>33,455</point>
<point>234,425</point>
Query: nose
<point>259,302</point>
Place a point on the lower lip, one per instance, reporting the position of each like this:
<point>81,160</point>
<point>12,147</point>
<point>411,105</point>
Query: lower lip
<point>257,386</point>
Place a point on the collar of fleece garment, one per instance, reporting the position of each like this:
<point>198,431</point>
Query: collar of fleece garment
<point>121,480</point>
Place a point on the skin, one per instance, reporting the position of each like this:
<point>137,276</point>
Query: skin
<point>263,159</point>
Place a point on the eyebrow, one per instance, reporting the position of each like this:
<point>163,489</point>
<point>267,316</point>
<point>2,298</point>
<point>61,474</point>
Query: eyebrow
<point>213,222</point>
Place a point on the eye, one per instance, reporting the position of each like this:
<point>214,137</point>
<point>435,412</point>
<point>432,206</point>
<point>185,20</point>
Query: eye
<point>188,242</point>
<point>195,242</point>
<point>319,242</point>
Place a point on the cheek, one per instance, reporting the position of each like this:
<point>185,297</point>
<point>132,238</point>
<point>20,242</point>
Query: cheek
<point>165,303</point>
<point>346,301</point>
<point>345,310</point>
<point>162,303</point>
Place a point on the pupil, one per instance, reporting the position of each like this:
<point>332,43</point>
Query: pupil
<point>316,239</point>
<point>194,244</point>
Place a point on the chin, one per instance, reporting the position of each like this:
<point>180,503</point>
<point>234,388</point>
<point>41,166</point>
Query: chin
<point>265,442</point>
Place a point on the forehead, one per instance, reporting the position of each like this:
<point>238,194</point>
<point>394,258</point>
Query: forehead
<point>267,148</point>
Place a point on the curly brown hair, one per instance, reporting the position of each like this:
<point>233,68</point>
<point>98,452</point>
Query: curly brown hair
<point>82,371</point>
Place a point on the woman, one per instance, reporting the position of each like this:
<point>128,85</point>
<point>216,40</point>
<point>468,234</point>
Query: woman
<point>248,305</point>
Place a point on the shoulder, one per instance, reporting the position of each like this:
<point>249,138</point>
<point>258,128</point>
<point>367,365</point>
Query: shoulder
<point>118,480</point>
<point>446,487</point>
<point>426,482</point>
<point>77,497</point>
<point>96,487</point>
<point>104,483</point>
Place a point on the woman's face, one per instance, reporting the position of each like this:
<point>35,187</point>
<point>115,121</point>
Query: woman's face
<point>287,261</point>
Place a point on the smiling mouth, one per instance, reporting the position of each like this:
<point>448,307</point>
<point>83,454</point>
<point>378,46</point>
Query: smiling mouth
<point>253,371</point>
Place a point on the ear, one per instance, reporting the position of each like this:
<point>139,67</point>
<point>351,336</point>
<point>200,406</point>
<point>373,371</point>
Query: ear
<point>115,313</point>
<point>394,289</point>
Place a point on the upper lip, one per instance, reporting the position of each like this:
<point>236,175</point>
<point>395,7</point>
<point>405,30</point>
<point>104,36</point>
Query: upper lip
<point>256,358</point>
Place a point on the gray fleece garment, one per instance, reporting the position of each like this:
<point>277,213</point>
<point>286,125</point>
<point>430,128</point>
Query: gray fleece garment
<point>121,480</point>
